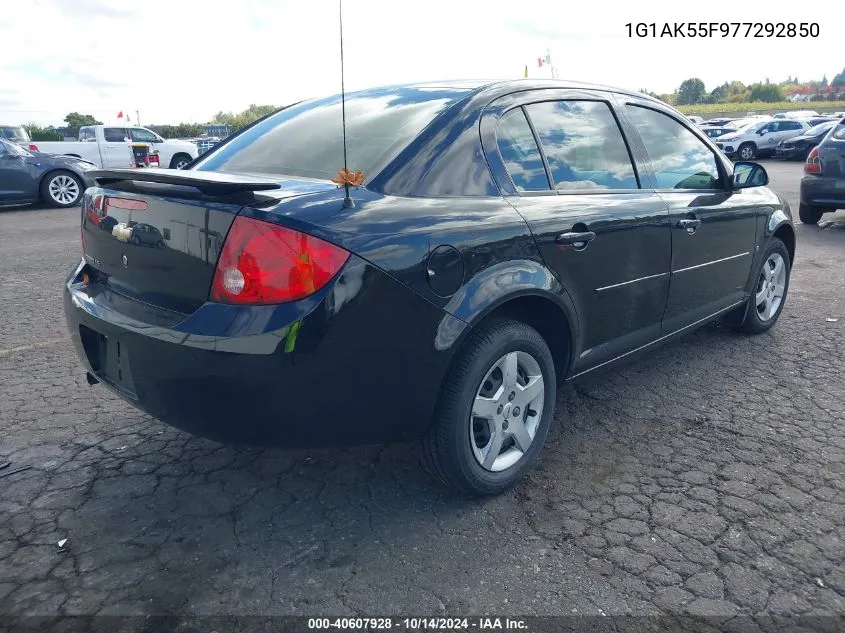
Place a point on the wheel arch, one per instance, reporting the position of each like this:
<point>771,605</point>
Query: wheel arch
<point>521,290</point>
<point>786,234</point>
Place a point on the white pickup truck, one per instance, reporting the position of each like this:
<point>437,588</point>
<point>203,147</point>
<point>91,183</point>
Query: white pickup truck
<point>110,146</point>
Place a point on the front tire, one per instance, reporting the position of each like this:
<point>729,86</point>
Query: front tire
<point>179,161</point>
<point>769,294</point>
<point>495,409</point>
<point>747,151</point>
<point>62,188</point>
<point>809,215</point>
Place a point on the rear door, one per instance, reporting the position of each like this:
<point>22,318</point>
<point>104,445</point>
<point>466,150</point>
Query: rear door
<point>115,148</point>
<point>713,227</point>
<point>604,237</point>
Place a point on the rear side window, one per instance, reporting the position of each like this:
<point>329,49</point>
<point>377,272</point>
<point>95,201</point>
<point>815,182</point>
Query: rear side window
<point>520,153</point>
<point>307,139</point>
<point>583,145</point>
<point>115,134</point>
<point>680,159</point>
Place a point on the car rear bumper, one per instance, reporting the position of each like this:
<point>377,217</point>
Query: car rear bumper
<point>355,363</point>
<point>821,191</point>
<point>790,152</point>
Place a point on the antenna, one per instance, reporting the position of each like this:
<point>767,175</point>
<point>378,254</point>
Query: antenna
<point>347,201</point>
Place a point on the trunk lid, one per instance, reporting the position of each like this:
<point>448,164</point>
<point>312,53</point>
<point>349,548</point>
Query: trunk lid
<point>832,153</point>
<point>156,235</point>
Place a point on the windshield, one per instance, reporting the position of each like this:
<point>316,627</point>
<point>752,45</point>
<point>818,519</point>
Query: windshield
<point>306,139</point>
<point>821,128</point>
<point>11,148</point>
<point>14,133</point>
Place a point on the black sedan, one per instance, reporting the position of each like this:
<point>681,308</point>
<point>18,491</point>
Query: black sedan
<point>798,147</point>
<point>823,184</point>
<point>487,241</point>
<point>26,177</point>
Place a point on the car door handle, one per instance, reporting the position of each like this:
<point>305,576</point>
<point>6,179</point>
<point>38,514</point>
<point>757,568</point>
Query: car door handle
<point>576,237</point>
<point>688,223</point>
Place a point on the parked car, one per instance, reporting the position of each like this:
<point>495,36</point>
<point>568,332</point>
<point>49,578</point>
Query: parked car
<point>110,146</point>
<point>760,139</point>
<point>718,122</point>
<point>823,184</point>
<point>716,132</point>
<point>26,177</point>
<point>17,134</point>
<point>495,237</point>
<point>696,119</point>
<point>798,147</point>
<point>823,118</point>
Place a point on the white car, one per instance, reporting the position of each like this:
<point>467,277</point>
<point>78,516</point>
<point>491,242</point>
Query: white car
<point>796,114</point>
<point>109,146</point>
<point>759,138</point>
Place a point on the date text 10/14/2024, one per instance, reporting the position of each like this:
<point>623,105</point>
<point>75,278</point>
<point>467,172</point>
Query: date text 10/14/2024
<point>419,624</point>
<point>723,29</point>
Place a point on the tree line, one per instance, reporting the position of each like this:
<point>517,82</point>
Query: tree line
<point>693,91</point>
<point>74,120</point>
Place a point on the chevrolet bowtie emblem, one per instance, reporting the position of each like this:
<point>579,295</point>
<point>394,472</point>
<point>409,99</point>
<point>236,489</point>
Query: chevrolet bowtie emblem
<point>122,232</point>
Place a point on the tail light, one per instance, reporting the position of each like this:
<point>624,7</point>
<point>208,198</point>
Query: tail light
<point>813,164</point>
<point>263,263</point>
<point>33,147</point>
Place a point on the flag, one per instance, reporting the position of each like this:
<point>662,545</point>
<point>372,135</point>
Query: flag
<point>539,62</point>
<point>120,114</point>
<point>526,71</point>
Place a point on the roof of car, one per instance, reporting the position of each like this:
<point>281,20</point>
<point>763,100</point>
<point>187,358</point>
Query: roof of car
<point>504,86</point>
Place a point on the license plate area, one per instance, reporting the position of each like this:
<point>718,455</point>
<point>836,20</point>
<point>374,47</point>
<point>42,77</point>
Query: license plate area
<point>109,360</point>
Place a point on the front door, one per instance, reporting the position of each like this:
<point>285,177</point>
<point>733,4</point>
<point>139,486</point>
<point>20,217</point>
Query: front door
<point>15,182</point>
<point>713,228</point>
<point>606,239</point>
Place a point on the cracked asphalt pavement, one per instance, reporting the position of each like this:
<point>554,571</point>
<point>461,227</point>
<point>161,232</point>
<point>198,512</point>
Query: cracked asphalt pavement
<point>707,477</point>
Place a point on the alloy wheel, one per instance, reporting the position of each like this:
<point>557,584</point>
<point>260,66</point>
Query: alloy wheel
<point>63,189</point>
<point>770,287</point>
<point>506,411</point>
<point>746,153</point>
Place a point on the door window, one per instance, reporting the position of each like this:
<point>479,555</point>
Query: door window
<point>115,134</point>
<point>680,159</point>
<point>520,153</point>
<point>583,145</point>
<point>141,135</point>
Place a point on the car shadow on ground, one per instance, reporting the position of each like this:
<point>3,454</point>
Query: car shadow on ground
<point>161,522</point>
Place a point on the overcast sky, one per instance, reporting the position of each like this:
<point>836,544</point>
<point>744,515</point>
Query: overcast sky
<point>183,60</point>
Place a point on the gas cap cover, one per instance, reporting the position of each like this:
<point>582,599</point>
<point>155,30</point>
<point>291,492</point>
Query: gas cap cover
<point>445,270</point>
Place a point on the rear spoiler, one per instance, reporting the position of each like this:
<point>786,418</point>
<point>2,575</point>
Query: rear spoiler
<point>208,182</point>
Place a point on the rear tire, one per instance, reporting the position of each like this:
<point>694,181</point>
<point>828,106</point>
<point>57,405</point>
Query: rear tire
<point>770,289</point>
<point>496,375</point>
<point>747,151</point>
<point>809,215</point>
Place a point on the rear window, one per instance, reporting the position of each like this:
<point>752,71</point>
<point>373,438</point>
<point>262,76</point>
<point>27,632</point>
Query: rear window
<point>306,139</point>
<point>839,132</point>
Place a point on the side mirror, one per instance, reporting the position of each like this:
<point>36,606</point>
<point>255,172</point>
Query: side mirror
<point>761,132</point>
<point>748,174</point>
